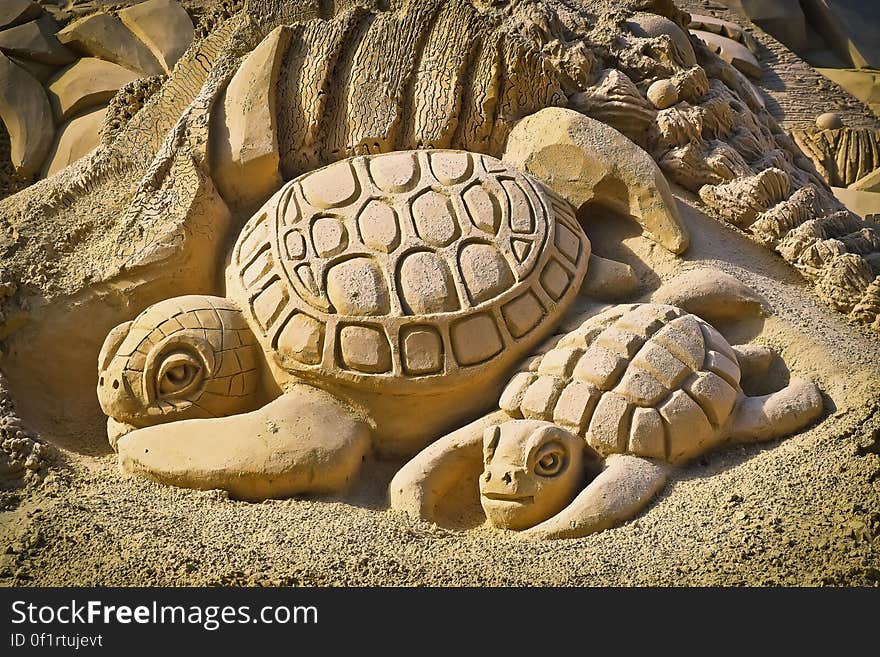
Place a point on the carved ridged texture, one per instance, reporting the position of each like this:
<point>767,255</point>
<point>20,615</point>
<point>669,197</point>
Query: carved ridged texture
<point>646,379</point>
<point>434,74</point>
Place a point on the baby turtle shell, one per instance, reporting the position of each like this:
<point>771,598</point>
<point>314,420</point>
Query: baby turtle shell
<point>413,267</point>
<point>646,379</point>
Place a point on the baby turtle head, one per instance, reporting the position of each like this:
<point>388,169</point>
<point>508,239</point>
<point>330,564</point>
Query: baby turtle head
<point>532,470</point>
<point>187,357</point>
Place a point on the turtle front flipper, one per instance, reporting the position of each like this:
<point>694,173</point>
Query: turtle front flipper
<point>758,419</point>
<point>305,441</point>
<point>454,460</point>
<point>584,161</point>
<point>617,494</point>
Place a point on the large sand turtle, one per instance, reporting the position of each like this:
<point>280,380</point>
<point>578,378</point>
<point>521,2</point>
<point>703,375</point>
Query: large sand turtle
<point>375,303</point>
<point>587,433</point>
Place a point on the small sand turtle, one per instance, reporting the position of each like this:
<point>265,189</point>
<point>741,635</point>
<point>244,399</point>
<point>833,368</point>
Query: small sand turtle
<point>375,303</point>
<point>587,434</point>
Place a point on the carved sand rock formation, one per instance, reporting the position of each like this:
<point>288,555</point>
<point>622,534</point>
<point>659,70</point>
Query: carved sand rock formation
<point>24,457</point>
<point>791,84</point>
<point>842,155</point>
<point>75,139</point>
<point>78,69</point>
<point>88,83</point>
<point>723,144</point>
<point>824,32</point>
<point>26,112</point>
<point>732,52</point>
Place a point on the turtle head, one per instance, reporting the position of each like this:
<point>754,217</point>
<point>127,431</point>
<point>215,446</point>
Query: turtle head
<point>532,470</point>
<point>183,358</point>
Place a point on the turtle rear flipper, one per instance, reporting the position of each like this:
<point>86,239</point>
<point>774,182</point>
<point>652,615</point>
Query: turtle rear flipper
<point>754,360</point>
<point>609,279</point>
<point>758,419</point>
<point>713,296</point>
<point>617,494</point>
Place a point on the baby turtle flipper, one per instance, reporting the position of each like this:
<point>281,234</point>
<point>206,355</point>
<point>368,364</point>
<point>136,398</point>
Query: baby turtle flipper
<point>758,419</point>
<point>617,494</point>
<point>305,441</point>
<point>451,461</point>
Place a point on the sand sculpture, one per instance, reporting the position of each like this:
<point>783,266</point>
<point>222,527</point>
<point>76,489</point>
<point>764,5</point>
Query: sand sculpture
<point>376,302</point>
<point>373,303</point>
<point>427,242</point>
<point>642,386</point>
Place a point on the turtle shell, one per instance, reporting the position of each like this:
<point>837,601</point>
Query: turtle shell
<point>646,379</point>
<point>410,267</point>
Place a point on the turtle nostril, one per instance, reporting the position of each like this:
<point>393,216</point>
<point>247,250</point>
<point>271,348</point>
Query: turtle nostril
<point>487,476</point>
<point>101,381</point>
<point>506,478</point>
<point>116,384</point>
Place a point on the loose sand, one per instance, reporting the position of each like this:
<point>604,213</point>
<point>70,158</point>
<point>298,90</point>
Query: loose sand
<point>800,511</point>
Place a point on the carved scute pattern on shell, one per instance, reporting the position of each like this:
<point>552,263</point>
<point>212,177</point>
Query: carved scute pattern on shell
<point>645,379</point>
<point>406,266</point>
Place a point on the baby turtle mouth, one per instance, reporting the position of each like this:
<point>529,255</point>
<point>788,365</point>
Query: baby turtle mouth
<point>509,497</point>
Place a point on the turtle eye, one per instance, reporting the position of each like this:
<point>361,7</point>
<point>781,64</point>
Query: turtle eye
<point>180,374</point>
<point>550,460</point>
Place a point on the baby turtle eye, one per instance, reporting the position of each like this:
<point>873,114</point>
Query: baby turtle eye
<point>550,460</point>
<point>180,374</point>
